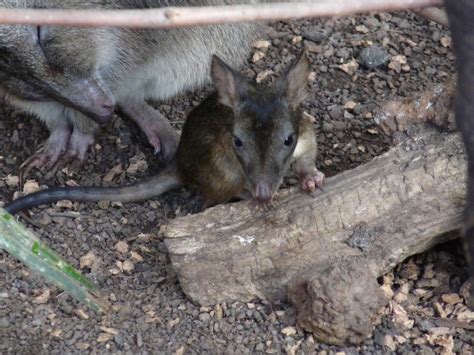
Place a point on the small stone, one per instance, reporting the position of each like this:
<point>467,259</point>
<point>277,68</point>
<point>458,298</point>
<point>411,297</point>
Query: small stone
<point>121,247</point>
<point>402,293</point>
<point>135,256</point>
<point>425,325</point>
<point>116,204</point>
<point>116,170</point>
<point>43,298</point>
<point>445,42</point>
<point>362,29</point>
<point>350,105</point>
<point>87,260</point>
<point>12,180</point>
<point>109,330</point>
<point>465,315</point>
<point>261,44</point>
<point>82,346</point>
<point>373,57</point>
<point>296,39</point>
<point>349,67</point>
<point>439,310</point>
<point>30,186</point>
<point>348,115</point>
<point>400,316</point>
<point>128,266</point>
<point>315,35</point>
<point>400,339</point>
<point>336,112</point>
<point>389,343</point>
<point>103,205</point>
<point>118,339</point>
<point>387,290</point>
<point>137,164</point>
<point>288,331</point>
<point>263,75</point>
<point>64,204</point>
<point>218,311</point>
<point>327,127</point>
<point>406,68</point>
<point>204,317</point>
<point>451,298</point>
<point>257,56</point>
<point>312,47</point>
<point>81,313</point>
<point>180,351</point>
<point>57,333</point>
<point>103,337</point>
<point>173,322</point>
<point>396,63</point>
<point>361,148</point>
<point>115,271</point>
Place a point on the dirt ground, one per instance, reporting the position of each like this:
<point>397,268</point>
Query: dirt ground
<point>120,248</point>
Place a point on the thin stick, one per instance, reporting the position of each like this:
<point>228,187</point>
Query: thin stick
<point>172,17</point>
<point>434,14</point>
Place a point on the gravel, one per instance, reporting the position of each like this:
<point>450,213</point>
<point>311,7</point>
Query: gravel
<point>151,314</point>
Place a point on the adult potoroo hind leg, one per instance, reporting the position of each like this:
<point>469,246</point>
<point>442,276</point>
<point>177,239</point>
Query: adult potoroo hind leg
<point>305,156</point>
<point>71,133</point>
<point>52,149</point>
<point>461,15</point>
<point>161,135</point>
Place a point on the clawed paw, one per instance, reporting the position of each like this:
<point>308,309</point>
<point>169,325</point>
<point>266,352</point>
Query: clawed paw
<point>59,150</point>
<point>312,181</point>
<point>164,143</point>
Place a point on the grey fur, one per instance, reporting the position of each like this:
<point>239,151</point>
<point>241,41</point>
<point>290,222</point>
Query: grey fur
<point>52,70</point>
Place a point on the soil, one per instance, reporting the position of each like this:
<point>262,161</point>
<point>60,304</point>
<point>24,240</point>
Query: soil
<point>426,314</point>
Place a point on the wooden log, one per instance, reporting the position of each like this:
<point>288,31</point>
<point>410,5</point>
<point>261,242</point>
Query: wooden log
<point>325,252</point>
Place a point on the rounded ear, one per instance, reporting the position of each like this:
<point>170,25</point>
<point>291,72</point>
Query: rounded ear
<point>229,84</point>
<point>292,84</point>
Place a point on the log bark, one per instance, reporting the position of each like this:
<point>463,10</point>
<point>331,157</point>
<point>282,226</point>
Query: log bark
<point>323,253</point>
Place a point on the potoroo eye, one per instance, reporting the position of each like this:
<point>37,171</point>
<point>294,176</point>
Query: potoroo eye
<point>289,140</point>
<point>237,142</point>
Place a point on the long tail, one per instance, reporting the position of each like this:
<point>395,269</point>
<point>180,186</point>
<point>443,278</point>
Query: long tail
<point>155,186</point>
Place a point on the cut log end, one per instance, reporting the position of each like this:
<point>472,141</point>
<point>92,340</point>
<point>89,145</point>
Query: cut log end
<point>334,302</point>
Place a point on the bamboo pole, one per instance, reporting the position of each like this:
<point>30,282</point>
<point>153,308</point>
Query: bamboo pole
<point>17,240</point>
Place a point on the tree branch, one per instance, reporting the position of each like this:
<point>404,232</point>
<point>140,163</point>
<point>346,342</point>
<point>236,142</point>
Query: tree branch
<point>172,17</point>
<point>434,14</point>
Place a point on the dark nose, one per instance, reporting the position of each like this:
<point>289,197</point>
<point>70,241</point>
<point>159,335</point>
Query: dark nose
<point>263,193</point>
